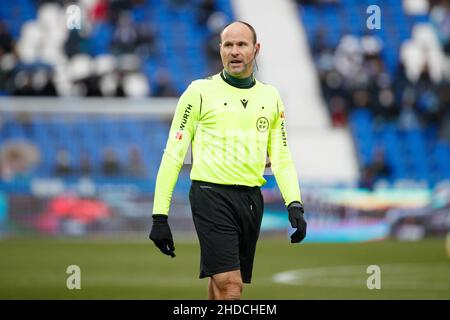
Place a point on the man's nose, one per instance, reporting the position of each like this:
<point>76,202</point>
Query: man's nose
<point>235,51</point>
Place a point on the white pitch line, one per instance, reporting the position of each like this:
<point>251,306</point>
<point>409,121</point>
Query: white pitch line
<point>355,276</point>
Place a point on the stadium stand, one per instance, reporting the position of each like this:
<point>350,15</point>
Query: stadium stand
<point>116,38</point>
<point>389,85</point>
<point>124,48</point>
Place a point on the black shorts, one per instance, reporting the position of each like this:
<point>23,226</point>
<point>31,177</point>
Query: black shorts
<point>227,220</point>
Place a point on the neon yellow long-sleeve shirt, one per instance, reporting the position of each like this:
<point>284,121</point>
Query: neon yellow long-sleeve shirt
<point>231,130</point>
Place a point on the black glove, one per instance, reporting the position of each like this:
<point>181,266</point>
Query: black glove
<point>161,235</point>
<point>297,220</point>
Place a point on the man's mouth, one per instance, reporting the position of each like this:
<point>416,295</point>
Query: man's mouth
<point>235,62</point>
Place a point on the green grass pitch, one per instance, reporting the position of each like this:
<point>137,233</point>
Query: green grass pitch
<point>35,268</point>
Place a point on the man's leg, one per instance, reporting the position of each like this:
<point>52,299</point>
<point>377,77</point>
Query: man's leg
<point>226,286</point>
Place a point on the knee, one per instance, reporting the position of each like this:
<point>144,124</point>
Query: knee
<point>230,288</point>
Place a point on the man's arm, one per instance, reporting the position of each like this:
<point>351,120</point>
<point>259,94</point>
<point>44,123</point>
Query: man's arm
<point>181,133</point>
<point>285,173</point>
<point>280,157</point>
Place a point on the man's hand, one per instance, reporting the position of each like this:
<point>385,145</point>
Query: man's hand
<point>161,235</point>
<point>297,220</point>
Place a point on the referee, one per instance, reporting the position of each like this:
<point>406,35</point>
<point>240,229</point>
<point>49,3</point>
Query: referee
<point>233,122</point>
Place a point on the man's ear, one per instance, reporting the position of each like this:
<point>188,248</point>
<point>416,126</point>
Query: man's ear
<point>257,47</point>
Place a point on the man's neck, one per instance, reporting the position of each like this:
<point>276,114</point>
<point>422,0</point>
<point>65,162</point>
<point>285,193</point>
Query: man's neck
<point>242,83</point>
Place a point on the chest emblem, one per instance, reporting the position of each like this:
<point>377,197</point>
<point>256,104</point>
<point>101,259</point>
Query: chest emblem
<point>262,124</point>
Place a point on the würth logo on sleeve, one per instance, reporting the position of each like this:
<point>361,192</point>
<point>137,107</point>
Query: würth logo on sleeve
<point>244,103</point>
<point>185,118</point>
<point>283,134</point>
<point>179,135</point>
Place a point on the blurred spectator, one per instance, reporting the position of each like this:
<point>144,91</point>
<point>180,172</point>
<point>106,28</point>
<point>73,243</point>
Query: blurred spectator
<point>427,101</point>
<point>163,85</point>
<point>379,166</point>
<point>23,84</point>
<point>332,84</point>
<point>125,37</point>
<point>43,83</point>
<point>401,82</point>
<point>367,179</point>
<point>386,108</point>
<point>17,158</point>
<point>376,169</point>
<point>63,165</point>
<point>204,10</point>
<point>320,45</point>
<point>117,7</point>
<point>338,111</point>
<point>77,42</point>
<point>146,43</point>
<point>110,164</point>
<point>440,17</point>
<point>408,119</point>
<point>361,98</point>
<point>6,41</point>
<point>135,166</point>
<point>212,49</point>
<point>8,63</point>
<point>89,86</point>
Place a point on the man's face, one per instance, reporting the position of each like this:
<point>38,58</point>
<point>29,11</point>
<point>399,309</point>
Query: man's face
<point>237,50</point>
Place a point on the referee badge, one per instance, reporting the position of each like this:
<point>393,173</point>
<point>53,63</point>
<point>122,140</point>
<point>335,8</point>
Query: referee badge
<point>262,124</point>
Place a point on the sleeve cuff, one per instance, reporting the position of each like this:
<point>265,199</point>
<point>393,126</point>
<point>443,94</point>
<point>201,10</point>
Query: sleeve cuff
<point>295,204</point>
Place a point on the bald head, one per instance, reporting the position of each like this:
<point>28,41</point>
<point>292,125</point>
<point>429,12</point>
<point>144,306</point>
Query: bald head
<point>240,26</point>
